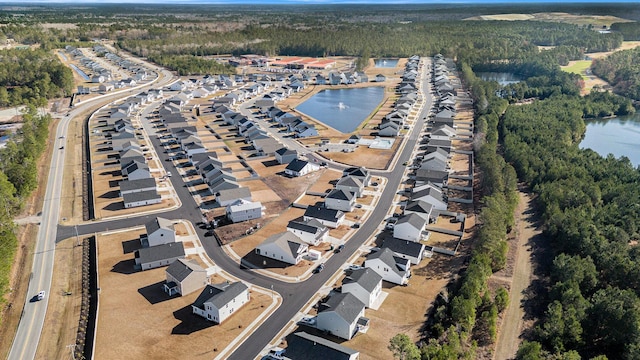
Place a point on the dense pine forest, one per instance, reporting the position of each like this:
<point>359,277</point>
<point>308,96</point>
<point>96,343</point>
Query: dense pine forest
<point>589,299</point>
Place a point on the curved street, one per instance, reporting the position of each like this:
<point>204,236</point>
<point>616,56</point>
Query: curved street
<point>294,295</point>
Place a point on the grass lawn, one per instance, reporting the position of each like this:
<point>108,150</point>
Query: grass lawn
<point>578,67</point>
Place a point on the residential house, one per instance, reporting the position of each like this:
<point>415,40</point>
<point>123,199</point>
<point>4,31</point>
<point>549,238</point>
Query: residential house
<point>132,186</point>
<point>410,250</point>
<point>339,199</point>
<point>159,255</point>
<point>381,78</point>
<point>311,231</point>
<point>420,208</point>
<point>327,217</point>
<point>159,231</point>
<point>410,227</point>
<point>351,184</point>
<point>299,167</point>
<point>393,269</point>
<point>285,156</point>
<point>184,277</point>
<point>365,284</point>
<point>218,302</point>
<point>436,177</point>
<point>341,315</point>
<point>230,196</point>
<point>136,170</point>
<point>303,346</point>
<point>141,198</point>
<point>359,172</point>
<point>243,210</point>
<point>284,246</point>
<point>430,194</point>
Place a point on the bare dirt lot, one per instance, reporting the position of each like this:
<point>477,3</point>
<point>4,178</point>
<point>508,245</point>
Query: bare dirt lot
<point>158,327</point>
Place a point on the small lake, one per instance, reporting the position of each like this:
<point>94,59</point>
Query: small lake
<point>385,63</point>
<point>343,109</point>
<point>618,136</point>
<point>502,78</point>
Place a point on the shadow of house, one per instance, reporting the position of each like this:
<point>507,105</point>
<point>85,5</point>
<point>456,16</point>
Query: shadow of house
<point>114,206</point>
<point>125,267</point>
<point>262,262</point>
<point>155,294</point>
<point>190,322</point>
<point>113,194</point>
<point>114,183</point>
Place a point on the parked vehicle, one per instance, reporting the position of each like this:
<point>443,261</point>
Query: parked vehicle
<point>339,248</point>
<point>318,269</point>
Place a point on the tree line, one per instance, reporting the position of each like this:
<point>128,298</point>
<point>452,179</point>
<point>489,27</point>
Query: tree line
<point>32,76</point>
<point>18,179</point>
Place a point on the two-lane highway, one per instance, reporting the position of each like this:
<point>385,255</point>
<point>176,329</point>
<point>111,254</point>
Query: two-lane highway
<point>25,342</point>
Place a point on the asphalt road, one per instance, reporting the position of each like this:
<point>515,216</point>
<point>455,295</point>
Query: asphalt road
<point>25,342</point>
<point>294,295</point>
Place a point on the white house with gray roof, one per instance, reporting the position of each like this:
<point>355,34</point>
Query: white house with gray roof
<point>285,156</point>
<point>299,167</point>
<point>340,315</point>
<point>431,194</point>
<point>393,269</point>
<point>310,231</point>
<point>184,277</point>
<point>410,227</point>
<point>365,284</point>
<point>157,256</point>
<point>230,196</point>
<point>132,186</point>
<point>327,217</point>
<point>218,302</point>
<point>243,210</point>
<point>284,246</point>
<point>339,199</point>
<point>351,184</point>
<point>141,198</point>
<point>159,231</point>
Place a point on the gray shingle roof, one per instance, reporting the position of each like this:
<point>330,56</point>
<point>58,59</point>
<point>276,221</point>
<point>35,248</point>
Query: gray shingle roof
<point>140,196</point>
<point>303,346</point>
<point>366,278</point>
<point>127,185</point>
<point>232,194</point>
<point>158,223</point>
<point>345,305</point>
<point>312,226</point>
<point>318,212</point>
<point>386,256</point>
<point>160,252</point>
<point>296,165</point>
<point>340,195</point>
<point>414,220</point>
<point>287,241</point>
<point>405,247</point>
<point>219,294</point>
<point>418,206</point>
<point>182,268</point>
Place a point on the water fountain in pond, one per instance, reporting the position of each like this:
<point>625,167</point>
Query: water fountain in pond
<point>341,105</point>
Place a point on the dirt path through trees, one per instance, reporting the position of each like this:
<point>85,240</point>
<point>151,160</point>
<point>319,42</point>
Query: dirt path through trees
<point>513,319</point>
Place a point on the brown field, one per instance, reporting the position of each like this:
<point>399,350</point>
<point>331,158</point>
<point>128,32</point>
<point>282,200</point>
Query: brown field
<point>157,326</point>
<point>597,21</point>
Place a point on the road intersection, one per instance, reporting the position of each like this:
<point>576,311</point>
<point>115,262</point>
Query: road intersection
<point>294,295</point>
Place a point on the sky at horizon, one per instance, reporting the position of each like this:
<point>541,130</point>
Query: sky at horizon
<point>303,2</point>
